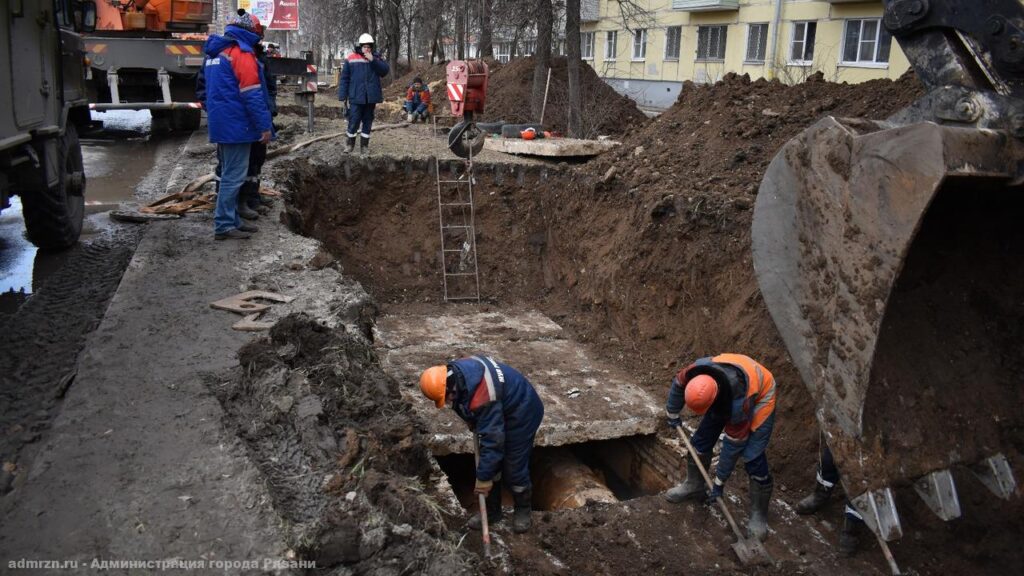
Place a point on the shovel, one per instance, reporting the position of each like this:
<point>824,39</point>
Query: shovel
<point>749,550</point>
<point>485,529</point>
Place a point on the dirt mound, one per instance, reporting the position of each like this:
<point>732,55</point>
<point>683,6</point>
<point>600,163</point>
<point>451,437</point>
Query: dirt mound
<point>728,132</point>
<point>343,458</point>
<point>429,74</point>
<point>605,111</point>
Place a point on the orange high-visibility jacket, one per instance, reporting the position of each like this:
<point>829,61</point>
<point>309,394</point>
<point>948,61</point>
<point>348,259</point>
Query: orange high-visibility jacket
<point>760,399</point>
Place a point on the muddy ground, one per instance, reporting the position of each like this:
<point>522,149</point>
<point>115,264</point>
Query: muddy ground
<point>182,438</point>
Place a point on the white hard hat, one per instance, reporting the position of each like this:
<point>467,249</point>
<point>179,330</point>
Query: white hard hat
<point>366,39</point>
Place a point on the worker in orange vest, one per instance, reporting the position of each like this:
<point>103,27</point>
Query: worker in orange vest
<point>736,395</point>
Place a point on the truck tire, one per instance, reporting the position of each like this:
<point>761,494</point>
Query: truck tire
<point>186,120</point>
<point>53,216</point>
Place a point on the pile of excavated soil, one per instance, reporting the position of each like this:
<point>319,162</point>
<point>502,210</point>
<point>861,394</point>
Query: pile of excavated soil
<point>429,74</point>
<point>342,455</point>
<point>605,111</point>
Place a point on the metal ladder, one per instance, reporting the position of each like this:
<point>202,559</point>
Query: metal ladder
<point>458,234</point>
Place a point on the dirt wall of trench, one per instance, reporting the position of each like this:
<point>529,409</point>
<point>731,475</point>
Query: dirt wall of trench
<point>648,283</point>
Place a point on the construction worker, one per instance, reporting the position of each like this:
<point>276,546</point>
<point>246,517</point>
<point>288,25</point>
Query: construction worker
<point>417,100</point>
<point>238,114</point>
<point>360,86</point>
<point>250,203</point>
<point>503,410</point>
<point>828,478</point>
<point>736,395</point>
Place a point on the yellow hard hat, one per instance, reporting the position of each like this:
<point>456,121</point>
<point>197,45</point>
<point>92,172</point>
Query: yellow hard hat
<point>433,383</point>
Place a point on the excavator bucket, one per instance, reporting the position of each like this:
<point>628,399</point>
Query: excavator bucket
<point>890,260</point>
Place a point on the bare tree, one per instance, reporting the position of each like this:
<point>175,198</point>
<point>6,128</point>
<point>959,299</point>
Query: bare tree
<point>542,57</point>
<point>392,31</point>
<point>572,52</point>
<point>486,30</point>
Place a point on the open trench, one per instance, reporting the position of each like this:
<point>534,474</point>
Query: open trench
<point>597,443</point>
<point>595,293</point>
<point>600,453</point>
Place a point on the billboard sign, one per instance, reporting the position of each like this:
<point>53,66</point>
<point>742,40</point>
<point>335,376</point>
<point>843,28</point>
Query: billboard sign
<point>274,14</point>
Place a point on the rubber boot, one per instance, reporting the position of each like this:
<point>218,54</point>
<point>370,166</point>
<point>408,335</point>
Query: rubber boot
<point>350,144</point>
<point>246,212</point>
<point>760,496</point>
<point>693,487</point>
<point>849,536</point>
<point>521,520</point>
<point>493,504</point>
<point>364,148</point>
<point>410,117</point>
<point>814,501</point>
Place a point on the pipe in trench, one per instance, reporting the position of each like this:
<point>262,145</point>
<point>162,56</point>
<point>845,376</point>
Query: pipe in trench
<point>562,482</point>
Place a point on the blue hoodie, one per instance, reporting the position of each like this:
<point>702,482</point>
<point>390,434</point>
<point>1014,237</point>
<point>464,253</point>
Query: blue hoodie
<point>236,97</point>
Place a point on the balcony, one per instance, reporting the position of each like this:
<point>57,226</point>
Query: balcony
<point>705,5</point>
<point>590,11</point>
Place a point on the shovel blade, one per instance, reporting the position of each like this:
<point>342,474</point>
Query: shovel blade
<point>752,553</point>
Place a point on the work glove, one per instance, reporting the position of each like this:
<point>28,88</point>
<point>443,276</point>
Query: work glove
<point>674,421</point>
<point>718,488</point>
<point>483,487</point>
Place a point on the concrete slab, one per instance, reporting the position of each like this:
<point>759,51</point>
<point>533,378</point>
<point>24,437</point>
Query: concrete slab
<point>555,147</point>
<point>584,398</point>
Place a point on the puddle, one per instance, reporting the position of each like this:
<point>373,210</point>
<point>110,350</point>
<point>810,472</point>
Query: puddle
<point>116,160</point>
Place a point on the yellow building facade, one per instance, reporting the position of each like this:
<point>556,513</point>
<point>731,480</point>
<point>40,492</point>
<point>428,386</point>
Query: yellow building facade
<point>648,53</point>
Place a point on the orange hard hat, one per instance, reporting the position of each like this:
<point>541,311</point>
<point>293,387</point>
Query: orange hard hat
<point>701,391</point>
<point>433,383</point>
<point>528,134</point>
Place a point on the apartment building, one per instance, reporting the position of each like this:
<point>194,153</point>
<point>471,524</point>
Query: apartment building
<point>647,48</point>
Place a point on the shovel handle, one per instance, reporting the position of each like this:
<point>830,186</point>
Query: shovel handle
<point>485,528</point>
<point>707,481</point>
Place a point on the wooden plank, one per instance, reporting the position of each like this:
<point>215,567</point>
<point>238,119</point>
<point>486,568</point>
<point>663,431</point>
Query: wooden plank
<point>550,147</point>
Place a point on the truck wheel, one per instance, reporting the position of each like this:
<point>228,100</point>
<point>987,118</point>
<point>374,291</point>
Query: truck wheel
<point>53,216</point>
<point>186,120</point>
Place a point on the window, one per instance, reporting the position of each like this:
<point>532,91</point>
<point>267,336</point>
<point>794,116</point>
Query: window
<point>640,44</point>
<point>866,42</point>
<point>757,42</point>
<point>529,47</point>
<point>611,39</point>
<point>711,42</point>
<point>587,45</point>
<point>801,48</point>
<point>502,52</point>
<point>673,36</point>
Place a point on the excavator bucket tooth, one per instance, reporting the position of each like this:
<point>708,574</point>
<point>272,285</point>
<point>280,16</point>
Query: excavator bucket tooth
<point>878,509</point>
<point>939,492</point>
<point>995,473</point>
<point>889,259</point>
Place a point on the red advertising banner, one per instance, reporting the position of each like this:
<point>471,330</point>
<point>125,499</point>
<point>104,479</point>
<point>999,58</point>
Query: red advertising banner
<point>286,15</point>
<point>274,14</point>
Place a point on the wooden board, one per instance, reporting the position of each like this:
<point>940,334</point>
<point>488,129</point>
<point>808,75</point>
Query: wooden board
<point>550,147</point>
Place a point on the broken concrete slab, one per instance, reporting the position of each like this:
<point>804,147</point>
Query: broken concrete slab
<point>585,399</point>
<point>556,147</point>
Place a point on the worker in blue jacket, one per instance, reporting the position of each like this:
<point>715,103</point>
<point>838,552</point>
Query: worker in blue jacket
<point>500,405</point>
<point>360,86</point>
<point>238,114</point>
